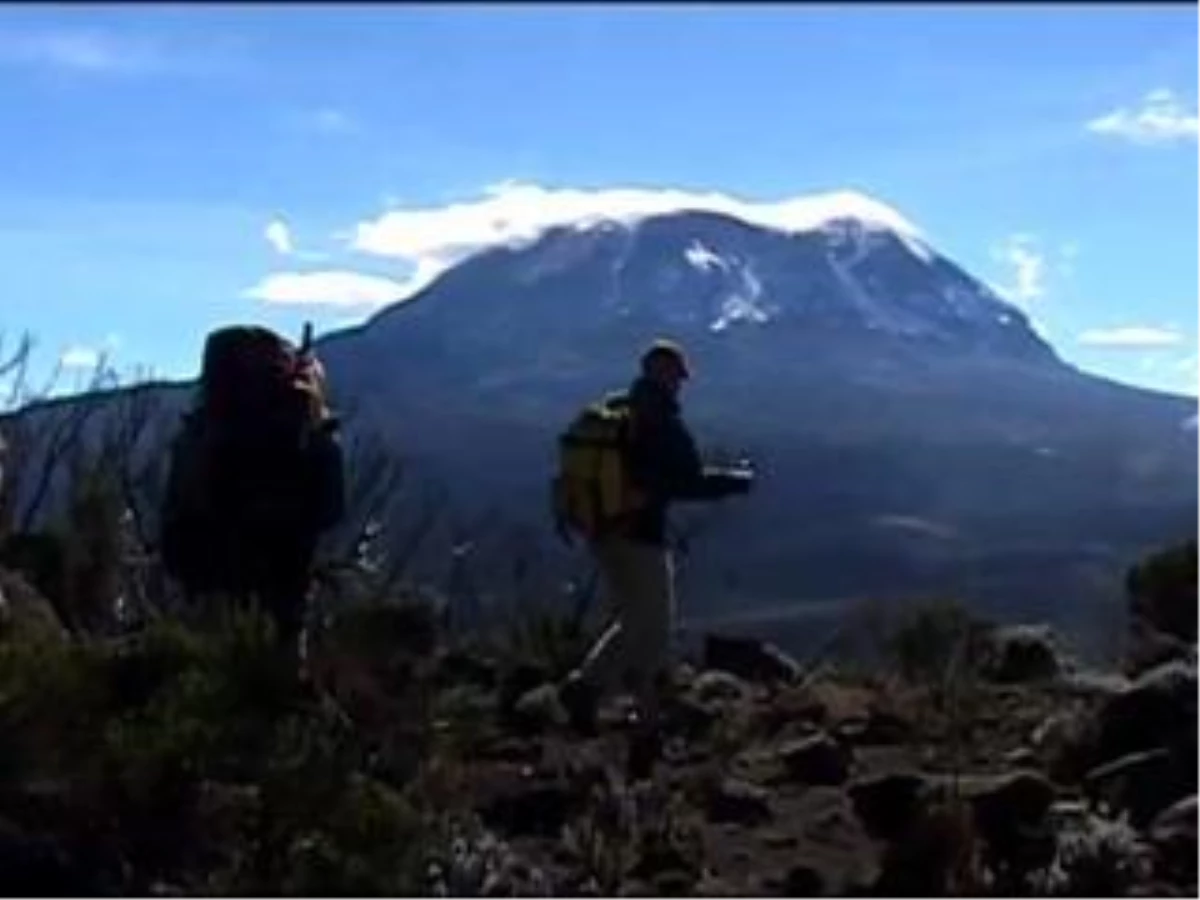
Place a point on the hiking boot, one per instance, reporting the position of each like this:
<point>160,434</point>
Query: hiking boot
<point>581,701</point>
<point>645,749</point>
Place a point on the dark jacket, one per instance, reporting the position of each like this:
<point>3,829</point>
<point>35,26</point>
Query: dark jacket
<point>665,464</point>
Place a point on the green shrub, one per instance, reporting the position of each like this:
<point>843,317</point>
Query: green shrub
<point>1162,589</point>
<point>932,637</point>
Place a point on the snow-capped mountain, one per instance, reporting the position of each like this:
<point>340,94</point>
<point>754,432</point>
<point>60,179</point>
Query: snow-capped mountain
<point>914,434</point>
<point>700,270</point>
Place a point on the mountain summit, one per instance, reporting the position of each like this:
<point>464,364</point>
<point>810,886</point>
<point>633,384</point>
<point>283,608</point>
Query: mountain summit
<point>915,434</point>
<point>838,270</point>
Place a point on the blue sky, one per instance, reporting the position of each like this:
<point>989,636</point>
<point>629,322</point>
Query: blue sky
<point>166,169</point>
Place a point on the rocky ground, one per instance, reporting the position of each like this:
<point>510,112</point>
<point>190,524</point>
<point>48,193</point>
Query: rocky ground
<point>966,760</point>
<point>1054,783</point>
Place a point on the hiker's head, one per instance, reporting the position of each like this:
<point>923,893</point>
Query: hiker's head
<point>665,364</point>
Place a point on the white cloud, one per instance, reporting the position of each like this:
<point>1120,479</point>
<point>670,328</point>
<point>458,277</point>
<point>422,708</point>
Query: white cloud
<point>330,287</point>
<point>279,236</point>
<point>83,51</point>
<point>109,53</point>
<point>431,239</point>
<point>1161,119</point>
<point>1131,337</point>
<point>80,358</point>
<point>83,356</point>
<point>1027,267</point>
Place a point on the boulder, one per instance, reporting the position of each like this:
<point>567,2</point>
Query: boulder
<point>1173,836</point>
<point>1158,709</point>
<point>1021,653</point>
<point>750,658</point>
<point>538,709</point>
<point>1011,814</point>
<point>739,802</point>
<point>877,728</point>
<point>889,803</point>
<point>816,760</point>
<point>1143,784</point>
<point>715,686</point>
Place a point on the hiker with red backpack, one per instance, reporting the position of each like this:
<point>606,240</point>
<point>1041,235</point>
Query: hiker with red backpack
<point>256,476</point>
<point>622,463</point>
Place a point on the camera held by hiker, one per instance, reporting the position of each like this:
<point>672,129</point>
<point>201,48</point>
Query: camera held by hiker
<point>623,461</point>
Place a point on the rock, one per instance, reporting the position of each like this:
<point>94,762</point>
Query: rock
<point>667,869</point>
<point>750,658</point>
<point>716,686</point>
<point>779,840</point>
<point>709,886</point>
<point>513,750</point>
<point>803,881</point>
<point>879,728</point>
<point>24,613</point>
<point>540,707</point>
<point>1021,758</point>
<point>1143,784</point>
<point>515,685</point>
<point>1157,709</point>
<point>738,802</point>
<point>887,804</point>
<point>1021,653</point>
<point>688,718</point>
<point>1012,816</point>
<point>1093,684</point>
<point>817,760</point>
<point>1173,835</point>
<point>791,711</point>
<point>529,808</point>
<point>673,883</point>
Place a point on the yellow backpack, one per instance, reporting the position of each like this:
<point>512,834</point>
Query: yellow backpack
<point>593,490</point>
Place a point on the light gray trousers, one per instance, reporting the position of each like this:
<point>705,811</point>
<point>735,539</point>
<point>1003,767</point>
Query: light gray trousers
<point>633,649</point>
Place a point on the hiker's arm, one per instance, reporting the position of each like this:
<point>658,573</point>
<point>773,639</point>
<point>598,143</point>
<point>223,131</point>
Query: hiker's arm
<point>328,480</point>
<point>681,475</point>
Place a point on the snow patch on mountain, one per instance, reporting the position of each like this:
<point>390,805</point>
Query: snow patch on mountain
<point>702,258</point>
<point>743,304</point>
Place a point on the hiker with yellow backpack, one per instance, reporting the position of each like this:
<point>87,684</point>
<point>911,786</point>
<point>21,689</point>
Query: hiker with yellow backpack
<point>622,462</point>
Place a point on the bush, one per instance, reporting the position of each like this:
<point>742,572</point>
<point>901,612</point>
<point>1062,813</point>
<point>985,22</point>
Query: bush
<point>196,760</point>
<point>932,637</point>
<point>1162,589</point>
